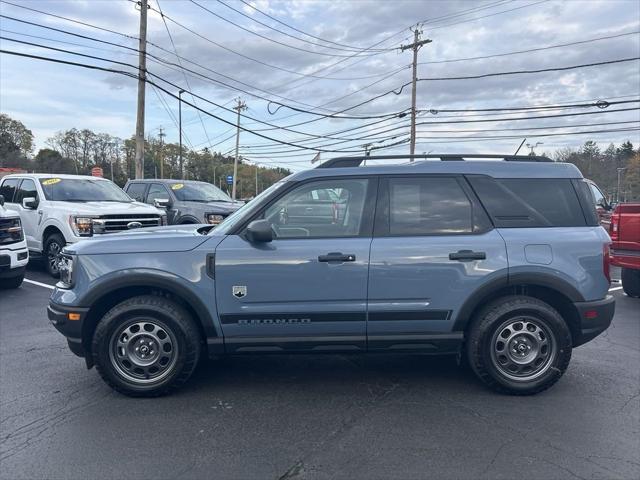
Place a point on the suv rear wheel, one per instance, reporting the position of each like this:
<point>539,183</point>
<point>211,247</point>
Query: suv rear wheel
<point>146,346</point>
<point>519,345</point>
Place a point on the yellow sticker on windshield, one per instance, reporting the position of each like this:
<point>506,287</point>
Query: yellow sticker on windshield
<point>51,181</point>
<point>177,186</point>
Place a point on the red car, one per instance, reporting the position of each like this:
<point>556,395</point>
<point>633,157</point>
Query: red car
<point>625,247</point>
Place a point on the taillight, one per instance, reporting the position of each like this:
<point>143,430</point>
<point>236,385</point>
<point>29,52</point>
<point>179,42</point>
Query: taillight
<point>614,226</point>
<point>606,261</point>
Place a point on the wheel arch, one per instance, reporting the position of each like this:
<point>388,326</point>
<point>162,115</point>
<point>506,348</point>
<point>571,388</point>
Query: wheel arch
<point>556,292</point>
<point>113,291</point>
<point>49,230</point>
<point>187,220</point>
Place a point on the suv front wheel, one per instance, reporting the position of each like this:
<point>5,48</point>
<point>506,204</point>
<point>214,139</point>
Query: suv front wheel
<point>519,345</point>
<point>146,346</point>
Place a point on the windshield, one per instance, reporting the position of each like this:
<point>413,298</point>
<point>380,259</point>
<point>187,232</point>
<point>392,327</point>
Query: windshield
<point>246,210</point>
<point>199,192</point>
<point>82,190</point>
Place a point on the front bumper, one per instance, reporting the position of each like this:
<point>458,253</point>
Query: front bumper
<point>595,318</point>
<point>13,261</point>
<point>60,316</point>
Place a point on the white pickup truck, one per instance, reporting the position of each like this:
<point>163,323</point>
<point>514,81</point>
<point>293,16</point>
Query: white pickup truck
<point>13,249</point>
<point>61,209</point>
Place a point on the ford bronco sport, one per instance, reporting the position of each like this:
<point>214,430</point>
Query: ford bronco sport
<point>497,259</point>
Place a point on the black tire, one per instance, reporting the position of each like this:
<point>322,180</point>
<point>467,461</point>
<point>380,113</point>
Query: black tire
<point>530,331</point>
<point>13,282</point>
<point>631,282</point>
<point>53,245</point>
<point>172,324</point>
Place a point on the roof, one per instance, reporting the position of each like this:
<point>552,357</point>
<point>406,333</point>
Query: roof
<point>55,175</point>
<point>163,180</point>
<point>493,168</point>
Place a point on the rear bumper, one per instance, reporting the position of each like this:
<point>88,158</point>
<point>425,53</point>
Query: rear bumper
<point>595,318</point>
<point>71,329</point>
<point>625,258</point>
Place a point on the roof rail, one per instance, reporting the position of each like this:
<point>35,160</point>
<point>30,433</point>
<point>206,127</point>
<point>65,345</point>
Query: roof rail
<point>342,162</point>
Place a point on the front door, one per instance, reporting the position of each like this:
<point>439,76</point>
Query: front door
<point>433,247</point>
<point>30,217</point>
<point>306,290</point>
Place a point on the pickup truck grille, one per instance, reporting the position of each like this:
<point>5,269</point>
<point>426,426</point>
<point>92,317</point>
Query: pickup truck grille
<point>119,223</point>
<point>10,231</point>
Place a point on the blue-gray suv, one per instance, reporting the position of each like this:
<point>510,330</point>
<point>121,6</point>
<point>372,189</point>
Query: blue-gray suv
<point>499,260</point>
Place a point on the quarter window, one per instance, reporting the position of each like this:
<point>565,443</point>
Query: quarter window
<point>428,206</point>
<point>8,189</point>
<point>136,191</point>
<point>327,208</point>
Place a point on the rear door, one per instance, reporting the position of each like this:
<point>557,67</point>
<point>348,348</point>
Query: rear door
<point>433,247</point>
<point>306,290</point>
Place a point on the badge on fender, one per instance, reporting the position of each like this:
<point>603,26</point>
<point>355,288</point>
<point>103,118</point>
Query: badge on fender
<point>239,291</point>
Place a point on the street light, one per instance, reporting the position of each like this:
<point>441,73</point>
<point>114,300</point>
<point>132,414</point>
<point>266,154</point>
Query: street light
<point>180,128</point>
<point>620,170</point>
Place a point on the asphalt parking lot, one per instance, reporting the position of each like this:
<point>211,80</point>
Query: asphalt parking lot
<point>297,417</point>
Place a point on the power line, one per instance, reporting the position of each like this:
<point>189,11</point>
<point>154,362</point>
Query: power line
<point>520,72</point>
<point>206,134</point>
<point>517,52</point>
<point>265,37</point>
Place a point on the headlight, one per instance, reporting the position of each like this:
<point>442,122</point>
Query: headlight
<point>65,267</point>
<point>81,226</point>
<point>213,218</point>
<point>11,231</point>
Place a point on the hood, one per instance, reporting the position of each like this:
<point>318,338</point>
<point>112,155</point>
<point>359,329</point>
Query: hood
<point>106,208</point>
<point>176,238</point>
<point>223,208</point>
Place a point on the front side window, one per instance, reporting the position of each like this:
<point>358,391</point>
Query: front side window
<point>597,195</point>
<point>82,190</point>
<point>157,191</point>
<point>27,190</point>
<point>326,208</point>
<point>428,206</point>
<point>8,189</point>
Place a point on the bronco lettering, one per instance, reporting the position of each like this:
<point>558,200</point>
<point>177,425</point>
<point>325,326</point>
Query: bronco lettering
<point>273,321</point>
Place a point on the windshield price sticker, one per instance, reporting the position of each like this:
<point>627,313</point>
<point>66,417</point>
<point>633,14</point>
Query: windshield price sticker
<point>177,186</point>
<point>51,181</point>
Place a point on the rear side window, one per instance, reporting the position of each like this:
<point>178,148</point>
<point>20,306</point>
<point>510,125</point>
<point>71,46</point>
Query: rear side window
<point>27,190</point>
<point>136,191</point>
<point>428,206</point>
<point>529,202</point>
<point>8,189</point>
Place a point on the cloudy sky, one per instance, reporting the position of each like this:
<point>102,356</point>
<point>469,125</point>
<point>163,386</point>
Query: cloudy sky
<point>327,57</point>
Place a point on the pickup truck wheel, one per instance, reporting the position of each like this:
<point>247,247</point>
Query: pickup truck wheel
<point>53,246</point>
<point>631,282</point>
<point>519,345</point>
<point>146,346</point>
<point>13,282</point>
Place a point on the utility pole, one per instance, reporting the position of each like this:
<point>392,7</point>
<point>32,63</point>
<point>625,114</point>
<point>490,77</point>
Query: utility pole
<point>142,76</point>
<point>180,129</point>
<point>620,170</point>
<point>415,46</point>
<point>162,135</point>
<point>239,107</point>
<point>256,165</point>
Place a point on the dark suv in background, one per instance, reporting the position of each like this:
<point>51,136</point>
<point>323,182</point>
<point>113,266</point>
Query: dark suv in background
<point>186,201</point>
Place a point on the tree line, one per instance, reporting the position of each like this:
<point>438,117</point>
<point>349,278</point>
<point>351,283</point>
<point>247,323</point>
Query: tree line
<point>78,151</point>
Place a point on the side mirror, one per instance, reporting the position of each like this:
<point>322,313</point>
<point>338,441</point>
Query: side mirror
<point>1,200</point>
<point>30,203</point>
<point>605,206</point>
<point>259,231</point>
<point>162,203</point>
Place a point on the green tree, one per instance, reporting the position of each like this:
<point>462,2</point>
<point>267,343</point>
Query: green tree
<point>14,134</point>
<point>51,161</point>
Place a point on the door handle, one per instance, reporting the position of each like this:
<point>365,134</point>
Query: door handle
<point>337,257</point>
<point>467,255</point>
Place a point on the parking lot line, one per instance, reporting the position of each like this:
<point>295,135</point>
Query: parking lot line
<point>50,287</point>
<point>615,288</point>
